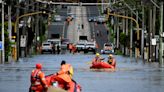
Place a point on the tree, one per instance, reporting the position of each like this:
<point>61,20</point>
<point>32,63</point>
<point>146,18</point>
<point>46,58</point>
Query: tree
<point>124,40</point>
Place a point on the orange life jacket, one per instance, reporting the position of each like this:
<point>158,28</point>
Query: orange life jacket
<point>112,62</point>
<point>35,79</point>
<point>38,78</point>
<point>70,46</point>
<point>96,59</point>
<point>64,72</point>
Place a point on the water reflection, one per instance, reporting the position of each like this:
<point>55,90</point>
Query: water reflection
<point>128,76</point>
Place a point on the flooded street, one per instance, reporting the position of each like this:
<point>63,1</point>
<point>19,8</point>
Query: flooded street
<point>128,77</point>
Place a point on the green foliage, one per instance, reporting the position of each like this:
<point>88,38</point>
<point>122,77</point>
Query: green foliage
<point>118,52</point>
<point>42,38</point>
<point>7,44</point>
<point>123,38</point>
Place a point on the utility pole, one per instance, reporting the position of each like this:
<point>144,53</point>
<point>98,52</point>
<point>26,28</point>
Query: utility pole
<point>33,29</point>
<point>126,28</point>
<point>3,38</point>
<point>123,28</point>
<point>143,29</point>
<point>160,38</point>
<point>24,32</point>
<point>9,22</point>
<point>131,37</point>
<point>150,35</point>
<point>9,25</point>
<point>17,37</point>
<point>37,28</point>
<point>117,28</point>
<point>137,48</point>
<point>153,33</point>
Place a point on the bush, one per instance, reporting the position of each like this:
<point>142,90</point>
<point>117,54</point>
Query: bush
<point>118,52</point>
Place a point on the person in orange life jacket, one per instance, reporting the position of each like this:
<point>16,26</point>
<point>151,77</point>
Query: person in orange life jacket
<point>111,60</point>
<point>38,81</point>
<point>66,73</point>
<point>97,58</point>
<point>65,69</point>
<point>70,47</point>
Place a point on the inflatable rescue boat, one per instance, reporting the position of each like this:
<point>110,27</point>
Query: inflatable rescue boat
<point>101,65</point>
<point>55,81</point>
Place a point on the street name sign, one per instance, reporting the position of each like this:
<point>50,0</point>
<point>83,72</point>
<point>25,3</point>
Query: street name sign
<point>0,45</point>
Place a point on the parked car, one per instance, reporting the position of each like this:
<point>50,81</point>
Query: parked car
<point>92,19</point>
<point>55,43</point>
<point>46,47</point>
<point>90,47</point>
<point>64,43</point>
<point>108,48</point>
<point>80,46</point>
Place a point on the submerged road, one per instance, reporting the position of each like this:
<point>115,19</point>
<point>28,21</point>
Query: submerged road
<point>128,77</point>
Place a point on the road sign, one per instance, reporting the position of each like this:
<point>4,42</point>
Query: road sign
<point>23,41</point>
<point>0,45</point>
<point>153,41</point>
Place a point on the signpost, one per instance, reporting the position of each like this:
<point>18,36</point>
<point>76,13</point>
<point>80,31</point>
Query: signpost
<point>23,41</point>
<point>0,45</point>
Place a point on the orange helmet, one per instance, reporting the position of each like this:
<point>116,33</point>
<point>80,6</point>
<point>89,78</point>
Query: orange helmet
<point>38,66</point>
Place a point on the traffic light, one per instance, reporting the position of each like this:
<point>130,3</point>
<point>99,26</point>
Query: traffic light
<point>13,35</point>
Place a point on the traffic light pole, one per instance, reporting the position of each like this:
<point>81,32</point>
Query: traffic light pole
<point>161,39</point>
<point>137,25</point>
<point>16,56</point>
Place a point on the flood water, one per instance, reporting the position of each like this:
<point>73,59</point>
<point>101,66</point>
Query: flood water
<point>128,77</point>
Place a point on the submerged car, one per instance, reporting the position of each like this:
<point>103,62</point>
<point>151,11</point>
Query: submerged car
<point>46,47</point>
<point>90,47</point>
<point>64,43</point>
<point>108,48</point>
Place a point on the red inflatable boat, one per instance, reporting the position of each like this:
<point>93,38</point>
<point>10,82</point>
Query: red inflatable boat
<point>101,65</point>
<point>54,80</point>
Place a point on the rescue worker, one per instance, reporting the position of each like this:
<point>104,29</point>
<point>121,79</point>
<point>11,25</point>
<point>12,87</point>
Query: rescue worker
<point>66,69</point>
<point>111,60</point>
<point>66,73</point>
<point>38,81</point>
<point>97,58</point>
<point>70,47</point>
<point>74,49</point>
